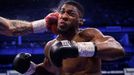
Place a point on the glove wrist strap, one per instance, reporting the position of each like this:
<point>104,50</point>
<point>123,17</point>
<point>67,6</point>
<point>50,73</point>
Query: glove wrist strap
<point>39,26</point>
<point>86,49</point>
<point>31,69</point>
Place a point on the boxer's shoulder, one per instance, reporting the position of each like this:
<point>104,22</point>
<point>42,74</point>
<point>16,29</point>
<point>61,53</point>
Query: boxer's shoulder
<point>49,43</point>
<point>89,32</point>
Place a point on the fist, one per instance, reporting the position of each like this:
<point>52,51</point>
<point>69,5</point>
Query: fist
<point>21,62</point>
<point>52,21</point>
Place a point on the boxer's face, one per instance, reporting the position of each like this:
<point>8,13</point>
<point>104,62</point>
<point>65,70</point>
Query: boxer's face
<point>69,18</point>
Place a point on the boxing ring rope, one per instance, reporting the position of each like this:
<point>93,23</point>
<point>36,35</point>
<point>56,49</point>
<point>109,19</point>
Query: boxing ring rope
<point>113,72</point>
<point>125,71</point>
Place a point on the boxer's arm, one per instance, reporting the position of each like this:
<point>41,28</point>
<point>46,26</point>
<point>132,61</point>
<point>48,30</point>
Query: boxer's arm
<point>44,68</point>
<point>110,49</point>
<point>19,27</point>
<point>46,64</point>
<point>14,27</point>
<point>107,47</point>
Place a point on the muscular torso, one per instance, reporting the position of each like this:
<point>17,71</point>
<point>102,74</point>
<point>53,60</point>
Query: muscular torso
<point>80,65</point>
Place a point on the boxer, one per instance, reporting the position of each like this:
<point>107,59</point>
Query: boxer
<point>75,51</point>
<point>79,51</point>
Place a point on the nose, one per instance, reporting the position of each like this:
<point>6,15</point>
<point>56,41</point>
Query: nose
<point>64,16</point>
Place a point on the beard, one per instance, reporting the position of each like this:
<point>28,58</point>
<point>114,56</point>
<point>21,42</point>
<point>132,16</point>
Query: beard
<point>66,30</point>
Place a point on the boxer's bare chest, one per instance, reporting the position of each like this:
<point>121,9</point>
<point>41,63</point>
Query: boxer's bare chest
<point>81,64</point>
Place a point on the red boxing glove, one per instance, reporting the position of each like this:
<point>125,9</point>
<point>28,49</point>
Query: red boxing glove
<point>52,21</point>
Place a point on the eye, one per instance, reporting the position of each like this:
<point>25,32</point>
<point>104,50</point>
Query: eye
<point>61,11</point>
<point>71,13</point>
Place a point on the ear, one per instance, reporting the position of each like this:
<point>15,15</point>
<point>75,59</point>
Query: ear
<point>81,21</point>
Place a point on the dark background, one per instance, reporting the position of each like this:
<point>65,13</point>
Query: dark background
<point>112,17</point>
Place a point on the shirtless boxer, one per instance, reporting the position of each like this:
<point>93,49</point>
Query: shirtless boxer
<point>75,61</point>
<point>97,46</point>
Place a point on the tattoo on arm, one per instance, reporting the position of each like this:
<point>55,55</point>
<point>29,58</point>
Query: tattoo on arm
<point>20,27</point>
<point>3,24</point>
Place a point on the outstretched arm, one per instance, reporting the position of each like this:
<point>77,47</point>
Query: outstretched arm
<point>15,27</point>
<point>19,27</point>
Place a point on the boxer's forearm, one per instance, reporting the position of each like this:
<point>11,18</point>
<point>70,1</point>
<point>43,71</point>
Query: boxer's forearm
<point>109,49</point>
<point>41,69</point>
<point>20,27</point>
<point>14,27</point>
